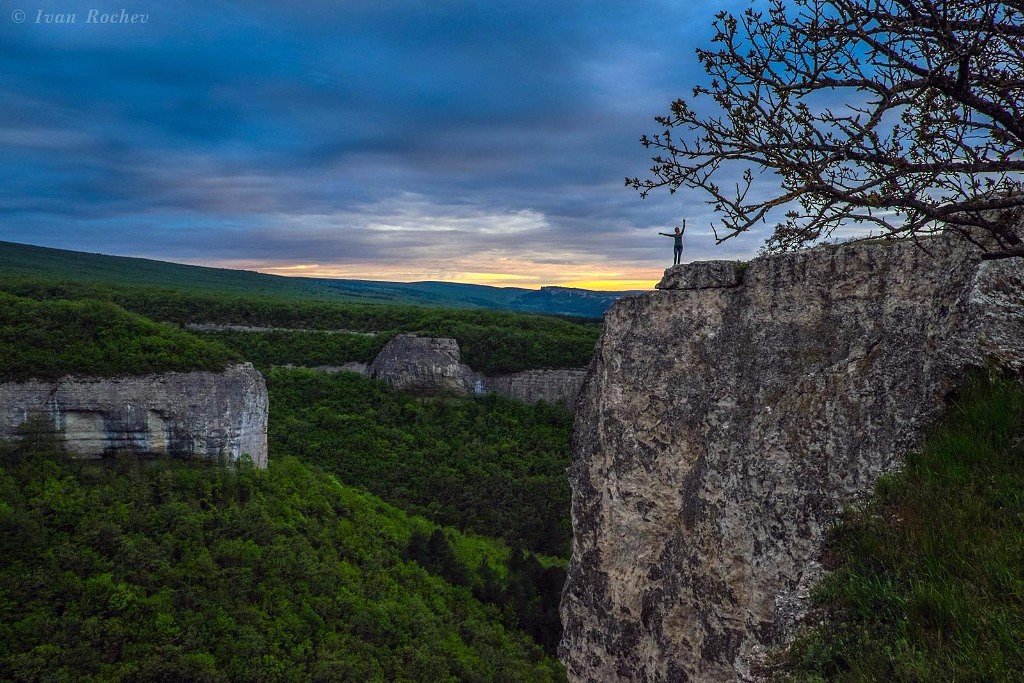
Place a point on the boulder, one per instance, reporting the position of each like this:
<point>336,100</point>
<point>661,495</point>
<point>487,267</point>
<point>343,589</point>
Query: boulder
<point>428,366</point>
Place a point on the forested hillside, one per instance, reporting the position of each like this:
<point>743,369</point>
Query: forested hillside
<point>48,339</point>
<point>23,260</point>
<point>170,570</point>
<point>490,465</point>
<point>186,570</point>
<point>491,341</point>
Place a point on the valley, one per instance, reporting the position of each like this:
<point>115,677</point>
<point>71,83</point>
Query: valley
<point>391,536</point>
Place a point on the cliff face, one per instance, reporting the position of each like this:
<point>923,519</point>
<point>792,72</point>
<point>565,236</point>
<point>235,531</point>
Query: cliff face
<point>422,365</point>
<point>727,418</point>
<point>431,366</point>
<point>197,414</point>
<point>531,386</point>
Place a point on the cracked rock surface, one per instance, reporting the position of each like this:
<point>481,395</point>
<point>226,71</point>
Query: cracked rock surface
<point>722,427</point>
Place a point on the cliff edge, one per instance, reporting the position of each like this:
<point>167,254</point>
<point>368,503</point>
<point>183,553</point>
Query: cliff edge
<point>728,417</point>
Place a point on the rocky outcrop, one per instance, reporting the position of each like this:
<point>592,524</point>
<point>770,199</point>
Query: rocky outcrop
<point>530,386</point>
<point>432,366</point>
<point>422,365</point>
<point>727,418</point>
<point>703,275</point>
<point>195,414</point>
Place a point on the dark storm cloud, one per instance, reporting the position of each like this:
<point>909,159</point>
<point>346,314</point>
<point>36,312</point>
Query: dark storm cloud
<point>333,132</point>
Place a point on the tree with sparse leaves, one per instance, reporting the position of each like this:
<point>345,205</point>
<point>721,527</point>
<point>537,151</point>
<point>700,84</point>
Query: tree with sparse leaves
<point>903,115</point>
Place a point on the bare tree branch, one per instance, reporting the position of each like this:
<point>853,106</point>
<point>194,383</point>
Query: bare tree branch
<point>930,129</point>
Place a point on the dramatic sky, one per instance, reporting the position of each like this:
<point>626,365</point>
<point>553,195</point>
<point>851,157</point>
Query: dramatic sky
<point>384,139</point>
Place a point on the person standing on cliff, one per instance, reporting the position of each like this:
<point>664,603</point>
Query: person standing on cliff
<point>678,244</point>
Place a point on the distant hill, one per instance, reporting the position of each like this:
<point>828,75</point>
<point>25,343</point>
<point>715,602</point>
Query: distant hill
<point>44,262</point>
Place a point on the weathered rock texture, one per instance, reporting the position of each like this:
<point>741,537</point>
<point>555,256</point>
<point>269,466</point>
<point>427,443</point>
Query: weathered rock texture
<point>705,275</point>
<point>432,366</point>
<point>197,414</point>
<point>422,365</point>
<point>531,386</point>
<point>721,428</point>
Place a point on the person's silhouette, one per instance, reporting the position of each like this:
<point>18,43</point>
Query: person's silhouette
<point>677,246</point>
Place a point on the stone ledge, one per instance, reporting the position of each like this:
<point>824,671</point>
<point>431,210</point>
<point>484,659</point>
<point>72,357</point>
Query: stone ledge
<point>703,275</point>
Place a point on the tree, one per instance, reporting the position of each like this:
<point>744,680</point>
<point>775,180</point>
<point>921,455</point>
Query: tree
<point>905,115</point>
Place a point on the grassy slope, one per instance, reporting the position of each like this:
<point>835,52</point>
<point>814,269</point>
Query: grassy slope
<point>48,339</point>
<point>928,577</point>
<point>29,261</point>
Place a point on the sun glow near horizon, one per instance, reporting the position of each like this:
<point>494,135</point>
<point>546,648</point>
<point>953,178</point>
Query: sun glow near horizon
<point>511,273</point>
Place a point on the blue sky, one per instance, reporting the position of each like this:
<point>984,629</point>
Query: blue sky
<point>405,140</point>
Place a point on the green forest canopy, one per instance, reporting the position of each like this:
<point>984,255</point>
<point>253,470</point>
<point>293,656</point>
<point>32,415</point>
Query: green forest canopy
<point>490,465</point>
<point>492,342</point>
<point>172,570</point>
<point>49,339</point>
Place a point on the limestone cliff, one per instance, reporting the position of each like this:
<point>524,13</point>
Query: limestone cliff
<point>431,366</point>
<point>422,365</point>
<point>530,386</point>
<point>727,418</point>
<point>197,414</point>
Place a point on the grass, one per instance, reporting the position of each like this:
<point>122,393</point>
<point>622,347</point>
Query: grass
<point>927,579</point>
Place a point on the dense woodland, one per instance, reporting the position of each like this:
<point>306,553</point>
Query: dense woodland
<point>174,570</point>
<point>48,339</point>
<point>304,349</point>
<point>490,464</point>
<point>492,342</point>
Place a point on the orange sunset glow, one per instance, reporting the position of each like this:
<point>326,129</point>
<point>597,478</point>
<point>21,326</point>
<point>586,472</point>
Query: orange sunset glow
<point>507,273</point>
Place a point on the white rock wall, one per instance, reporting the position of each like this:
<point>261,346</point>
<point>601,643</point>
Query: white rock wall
<point>196,414</point>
